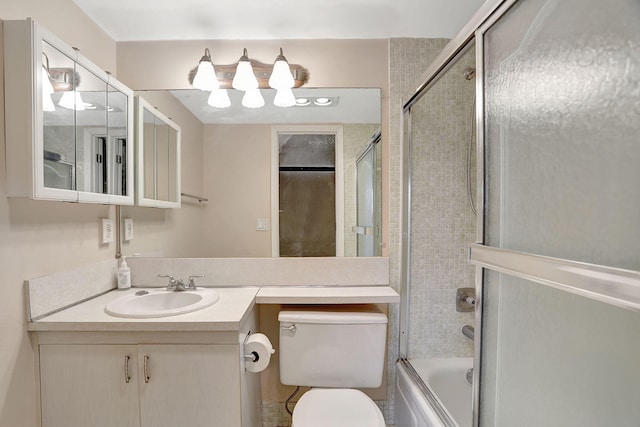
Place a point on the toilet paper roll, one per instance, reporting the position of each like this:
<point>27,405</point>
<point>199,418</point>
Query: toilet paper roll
<point>260,347</point>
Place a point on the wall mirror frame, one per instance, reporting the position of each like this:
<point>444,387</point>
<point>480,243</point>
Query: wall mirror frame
<point>158,146</point>
<point>233,149</point>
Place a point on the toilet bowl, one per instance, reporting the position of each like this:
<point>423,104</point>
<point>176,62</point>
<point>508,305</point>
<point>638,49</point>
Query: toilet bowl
<point>323,407</point>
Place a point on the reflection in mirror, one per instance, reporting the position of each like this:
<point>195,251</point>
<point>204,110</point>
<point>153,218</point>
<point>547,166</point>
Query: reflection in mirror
<point>58,136</point>
<point>85,128</point>
<point>91,131</point>
<point>158,144</point>
<point>117,141</point>
<point>227,157</point>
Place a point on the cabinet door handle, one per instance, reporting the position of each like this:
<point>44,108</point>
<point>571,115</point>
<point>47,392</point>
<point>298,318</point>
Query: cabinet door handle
<point>127,378</point>
<point>146,369</point>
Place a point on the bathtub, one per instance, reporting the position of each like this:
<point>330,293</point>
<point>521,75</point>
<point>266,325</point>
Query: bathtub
<point>446,382</point>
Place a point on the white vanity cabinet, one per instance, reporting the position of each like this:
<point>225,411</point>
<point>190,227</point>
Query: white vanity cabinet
<point>69,124</point>
<point>148,385</point>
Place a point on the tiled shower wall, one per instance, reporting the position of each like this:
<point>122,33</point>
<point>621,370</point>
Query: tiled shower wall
<point>442,221</point>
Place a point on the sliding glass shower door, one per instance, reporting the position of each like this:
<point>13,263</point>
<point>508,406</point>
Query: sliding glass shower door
<point>561,255</point>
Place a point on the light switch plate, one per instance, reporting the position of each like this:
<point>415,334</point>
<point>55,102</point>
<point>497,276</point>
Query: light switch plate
<point>128,229</point>
<point>107,230</point>
<point>262,224</point>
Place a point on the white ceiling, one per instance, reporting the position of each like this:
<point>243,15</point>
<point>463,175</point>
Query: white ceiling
<point>129,20</point>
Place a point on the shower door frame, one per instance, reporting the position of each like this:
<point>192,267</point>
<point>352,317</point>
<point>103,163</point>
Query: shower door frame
<point>611,285</point>
<point>446,59</point>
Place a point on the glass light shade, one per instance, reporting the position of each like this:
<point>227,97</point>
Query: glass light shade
<point>244,78</point>
<point>219,98</point>
<point>71,100</point>
<point>205,78</point>
<point>47,91</point>
<point>281,77</point>
<point>253,99</point>
<point>284,98</point>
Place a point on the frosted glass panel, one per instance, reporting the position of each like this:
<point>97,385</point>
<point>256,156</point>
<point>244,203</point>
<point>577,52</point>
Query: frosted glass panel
<point>442,221</point>
<point>562,125</point>
<point>551,358</point>
<point>365,192</point>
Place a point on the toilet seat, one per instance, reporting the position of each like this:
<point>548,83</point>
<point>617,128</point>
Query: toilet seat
<point>323,407</point>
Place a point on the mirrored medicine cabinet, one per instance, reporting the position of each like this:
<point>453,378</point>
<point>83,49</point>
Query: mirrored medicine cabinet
<point>69,124</point>
<point>158,141</point>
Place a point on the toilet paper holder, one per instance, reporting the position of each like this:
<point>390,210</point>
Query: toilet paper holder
<point>253,356</point>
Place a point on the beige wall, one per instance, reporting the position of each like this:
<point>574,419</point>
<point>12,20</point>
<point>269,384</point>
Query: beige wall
<point>237,174</point>
<point>42,237</point>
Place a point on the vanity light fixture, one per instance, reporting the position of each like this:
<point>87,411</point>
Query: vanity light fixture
<point>244,79</point>
<point>284,98</point>
<point>72,100</point>
<point>219,98</point>
<point>205,77</point>
<point>281,77</point>
<point>249,75</point>
<point>252,99</point>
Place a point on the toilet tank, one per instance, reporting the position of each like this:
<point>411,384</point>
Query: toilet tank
<point>324,348</point>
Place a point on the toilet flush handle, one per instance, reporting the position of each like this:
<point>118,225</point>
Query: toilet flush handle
<point>291,328</point>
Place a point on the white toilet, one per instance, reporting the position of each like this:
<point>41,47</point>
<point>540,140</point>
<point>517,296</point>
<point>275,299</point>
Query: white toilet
<point>333,351</point>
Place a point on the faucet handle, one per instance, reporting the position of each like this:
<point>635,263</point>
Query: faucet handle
<point>172,282</point>
<point>191,284</point>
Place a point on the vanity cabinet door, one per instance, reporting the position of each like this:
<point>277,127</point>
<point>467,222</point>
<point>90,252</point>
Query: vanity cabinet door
<point>88,385</point>
<point>189,385</point>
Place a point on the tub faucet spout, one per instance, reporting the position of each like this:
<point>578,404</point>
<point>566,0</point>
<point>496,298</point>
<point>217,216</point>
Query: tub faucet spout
<point>468,331</point>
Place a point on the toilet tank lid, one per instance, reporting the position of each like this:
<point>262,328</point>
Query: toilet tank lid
<point>332,317</point>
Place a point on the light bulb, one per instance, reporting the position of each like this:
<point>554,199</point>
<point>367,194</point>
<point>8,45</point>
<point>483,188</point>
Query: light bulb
<point>219,98</point>
<point>284,98</point>
<point>244,79</point>
<point>281,77</point>
<point>253,99</point>
<point>71,100</point>
<point>205,78</point>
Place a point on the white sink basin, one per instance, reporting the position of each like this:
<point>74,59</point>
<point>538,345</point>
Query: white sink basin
<point>161,303</point>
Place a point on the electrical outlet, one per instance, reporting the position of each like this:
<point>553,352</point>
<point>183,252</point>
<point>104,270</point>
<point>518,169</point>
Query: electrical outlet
<point>107,231</point>
<point>128,229</point>
<point>262,224</point>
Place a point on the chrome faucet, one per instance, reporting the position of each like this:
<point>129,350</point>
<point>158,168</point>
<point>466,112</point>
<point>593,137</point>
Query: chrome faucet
<point>177,285</point>
<point>174,285</point>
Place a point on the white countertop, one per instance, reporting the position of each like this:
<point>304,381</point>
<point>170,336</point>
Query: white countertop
<point>225,315</point>
<point>327,295</point>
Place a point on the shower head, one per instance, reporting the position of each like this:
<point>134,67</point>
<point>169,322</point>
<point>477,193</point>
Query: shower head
<point>469,73</point>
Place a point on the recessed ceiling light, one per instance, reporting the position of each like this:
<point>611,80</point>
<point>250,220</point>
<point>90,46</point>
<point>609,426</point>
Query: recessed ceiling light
<point>303,101</point>
<point>323,101</point>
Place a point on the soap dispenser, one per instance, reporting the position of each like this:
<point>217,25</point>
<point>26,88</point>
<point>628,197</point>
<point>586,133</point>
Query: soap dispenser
<point>124,275</point>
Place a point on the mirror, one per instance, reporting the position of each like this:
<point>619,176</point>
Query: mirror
<point>158,150</point>
<point>84,129</point>
<point>227,158</point>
